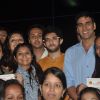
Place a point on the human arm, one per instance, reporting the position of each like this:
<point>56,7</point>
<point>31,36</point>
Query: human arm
<point>68,70</point>
<point>72,93</point>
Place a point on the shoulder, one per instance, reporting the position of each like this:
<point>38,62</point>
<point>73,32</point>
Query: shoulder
<point>73,48</point>
<point>43,59</point>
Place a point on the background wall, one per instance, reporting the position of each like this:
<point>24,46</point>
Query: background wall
<point>20,14</point>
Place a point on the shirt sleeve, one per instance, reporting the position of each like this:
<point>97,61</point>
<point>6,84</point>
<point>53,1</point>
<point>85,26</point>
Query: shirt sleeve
<point>68,70</point>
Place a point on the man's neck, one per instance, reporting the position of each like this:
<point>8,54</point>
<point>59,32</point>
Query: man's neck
<point>38,52</point>
<point>87,43</point>
<point>54,55</point>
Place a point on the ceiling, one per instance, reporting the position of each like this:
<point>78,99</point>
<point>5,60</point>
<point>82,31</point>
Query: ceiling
<point>25,9</point>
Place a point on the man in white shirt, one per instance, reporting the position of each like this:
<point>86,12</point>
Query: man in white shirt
<point>35,37</point>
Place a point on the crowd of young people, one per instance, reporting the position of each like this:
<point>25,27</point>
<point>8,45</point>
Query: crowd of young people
<point>42,71</point>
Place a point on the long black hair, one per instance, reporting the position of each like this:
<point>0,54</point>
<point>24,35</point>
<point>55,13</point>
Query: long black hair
<point>37,67</point>
<point>96,73</point>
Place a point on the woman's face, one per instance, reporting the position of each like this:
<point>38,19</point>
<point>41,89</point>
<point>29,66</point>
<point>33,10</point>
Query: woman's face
<point>98,47</point>
<point>89,96</point>
<point>13,92</point>
<point>14,40</point>
<point>52,88</point>
<point>24,57</point>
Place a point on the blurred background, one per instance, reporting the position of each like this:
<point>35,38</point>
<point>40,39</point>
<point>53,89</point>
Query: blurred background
<point>20,14</point>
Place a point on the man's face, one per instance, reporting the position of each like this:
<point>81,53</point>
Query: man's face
<point>3,36</point>
<point>35,38</point>
<point>86,27</point>
<point>52,42</point>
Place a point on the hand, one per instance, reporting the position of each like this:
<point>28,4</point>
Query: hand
<point>80,88</point>
<point>19,77</point>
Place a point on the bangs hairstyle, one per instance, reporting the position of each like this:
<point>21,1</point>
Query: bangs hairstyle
<point>56,72</point>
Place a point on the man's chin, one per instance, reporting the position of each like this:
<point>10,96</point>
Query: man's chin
<point>38,47</point>
<point>52,50</point>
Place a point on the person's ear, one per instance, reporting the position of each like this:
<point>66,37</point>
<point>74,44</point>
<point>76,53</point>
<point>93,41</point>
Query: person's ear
<point>40,87</point>
<point>61,41</point>
<point>94,26</point>
<point>64,91</point>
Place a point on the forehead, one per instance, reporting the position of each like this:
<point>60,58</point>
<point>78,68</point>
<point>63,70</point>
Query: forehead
<point>23,48</point>
<point>90,96</point>
<point>51,34</point>
<point>52,78</point>
<point>15,35</point>
<point>84,19</point>
<point>35,31</point>
<point>13,87</point>
<point>3,32</point>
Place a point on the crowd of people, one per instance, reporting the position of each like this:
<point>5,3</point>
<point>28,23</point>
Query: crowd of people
<point>42,71</point>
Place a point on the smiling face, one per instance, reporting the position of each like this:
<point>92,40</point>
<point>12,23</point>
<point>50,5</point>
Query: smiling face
<point>13,92</point>
<point>14,40</point>
<point>52,88</point>
<point>24,57</point>
<point>86,27</point>
<point>89,96</point>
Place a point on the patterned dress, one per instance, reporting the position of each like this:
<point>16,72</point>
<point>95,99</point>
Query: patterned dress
<point>31,85</point>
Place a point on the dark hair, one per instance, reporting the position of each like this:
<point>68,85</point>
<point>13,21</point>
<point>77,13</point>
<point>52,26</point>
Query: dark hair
<point>34,63</point>
<point>2,47</point>
<point>13,82</point>
<point>97,37</point>
<point>96,73</point>
<point>89,90</point>
<point>41,27</point>
<point>2,28</point>
<point>8,51</point>
<point>2,82</point>
<point>59,74</point>
<point>7,62</point>
<point>55,29</point>
<point>84,14</point>
<point>14,32</point>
